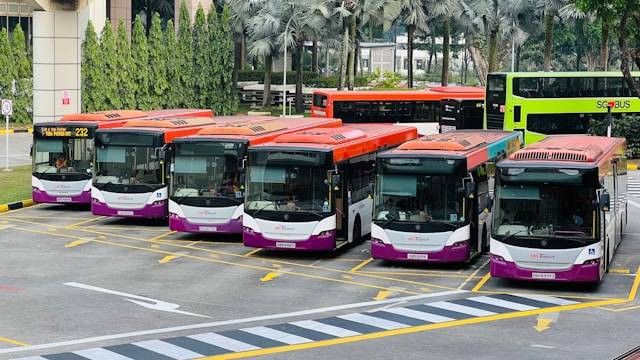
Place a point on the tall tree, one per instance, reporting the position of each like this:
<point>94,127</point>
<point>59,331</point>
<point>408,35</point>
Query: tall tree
<point>140,54</point>
<point>158,84</point>
<point>146,8</point>
<point>227,95</point>
<point>445,10</point>
<point>173,97</point>
<point>126,87</point>
<point>112,98</point>
<point>201,60</point>
<point>185,81</point>
<point>215,58</point>
<point>91,71</point>
<point>24,83</point>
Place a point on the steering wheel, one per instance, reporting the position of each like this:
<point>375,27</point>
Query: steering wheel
<point>533,227</point>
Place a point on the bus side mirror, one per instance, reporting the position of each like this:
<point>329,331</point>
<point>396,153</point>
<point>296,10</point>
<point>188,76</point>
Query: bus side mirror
<point>242,179</point>
<point>335,180</point>
<point>470,189</point>
<point>604,201</point>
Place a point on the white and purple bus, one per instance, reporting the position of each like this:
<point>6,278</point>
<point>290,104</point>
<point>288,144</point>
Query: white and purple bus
<point>208,170</point>
<point>433,196</point>
<point>560,209</point>
<point>313,189</point>
<point>63,151</point>
<point>131,172</point>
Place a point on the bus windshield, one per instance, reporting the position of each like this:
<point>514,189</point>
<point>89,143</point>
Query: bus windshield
<point>63,156</point>
<point>127,159</point>
<point>560,204</point>
<point>291,182</point>
<point>207,170</point>
<point>419,190</point>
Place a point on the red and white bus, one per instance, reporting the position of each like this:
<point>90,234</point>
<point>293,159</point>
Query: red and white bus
<point>560,209</point>
<point>208,170</point>
<point>63,151</point>
<point>419,108</point>
<point>433,201</point>
<point>131,172</point>
<point>313,189</point>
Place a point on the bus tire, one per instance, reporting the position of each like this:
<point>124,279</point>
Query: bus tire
<point>357,231</point>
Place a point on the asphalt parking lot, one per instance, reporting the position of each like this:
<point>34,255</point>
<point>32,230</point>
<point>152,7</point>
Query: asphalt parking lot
<point>78,286</point>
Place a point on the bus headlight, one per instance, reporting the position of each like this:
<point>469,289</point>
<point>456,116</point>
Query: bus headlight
<point>497,258</point>
<point>592,262</point>
<point>159,202</point>
<point>248,230</point>
<point>376,241</point>
<point>460,243</point>
<point>325,233</point>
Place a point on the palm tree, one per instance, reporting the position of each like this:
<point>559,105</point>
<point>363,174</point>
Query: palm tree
<point>241,12</point>
<point>549,9</point>
<point>444,9</point>
<point>412,14</point>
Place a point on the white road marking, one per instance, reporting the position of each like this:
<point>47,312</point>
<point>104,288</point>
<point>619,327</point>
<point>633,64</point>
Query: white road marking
<point>502,303</point>
<point>277,335</point>
<point>419,315</point>
<point>164,348</point>
<point>146,302</point>
<point>461,308</point>
<point>228,322</point>
<point>547,299</point>
<point>224,342</point>
<point>325,328</point>
<point>101,354</point>
<point>373,321</point>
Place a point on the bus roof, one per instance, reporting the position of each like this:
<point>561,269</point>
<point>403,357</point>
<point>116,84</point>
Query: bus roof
<point>458,89</point>
<point>398,95</point>
<point>257,129</point>
<point>109,115</point>
<point>566,74</point>
<point>171,128</point>
<point>115,118</point>
<point>477,146</point>
<point>557,150</point>
<point>345,141</point>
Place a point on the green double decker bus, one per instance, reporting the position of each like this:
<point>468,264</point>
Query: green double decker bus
<point>549,103</point>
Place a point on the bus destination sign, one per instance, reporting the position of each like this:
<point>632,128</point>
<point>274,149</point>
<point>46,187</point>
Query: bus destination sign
<point>63,131</point>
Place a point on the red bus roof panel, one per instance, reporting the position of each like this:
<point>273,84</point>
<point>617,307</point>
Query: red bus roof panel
<point>571,148</point>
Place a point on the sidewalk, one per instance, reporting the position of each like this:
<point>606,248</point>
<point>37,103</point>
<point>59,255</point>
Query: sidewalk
<point>16,131</point>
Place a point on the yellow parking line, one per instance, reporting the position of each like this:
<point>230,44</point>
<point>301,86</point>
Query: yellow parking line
<point>85,222</point>
<point>12,341</point>
<point>407,273</point>
<point>361,265</point>
<point>252,252</point>
<point>634,287</point>
<point>473,275</point>
<point>481,282</point>
<point>411,330</point>
<point>156,238</point>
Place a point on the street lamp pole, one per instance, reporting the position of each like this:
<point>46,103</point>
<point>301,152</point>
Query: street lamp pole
<point>284,72</point>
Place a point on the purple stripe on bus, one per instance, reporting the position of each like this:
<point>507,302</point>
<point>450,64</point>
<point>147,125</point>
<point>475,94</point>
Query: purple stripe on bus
<point>314,243</point>
<point>148,211</point>
<point>448,254</point>
<point>41,196</point>
<point>577,273</point>
<point>176,223</point>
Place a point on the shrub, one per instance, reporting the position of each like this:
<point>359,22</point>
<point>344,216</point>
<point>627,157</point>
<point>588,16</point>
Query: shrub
<point>625,127</point>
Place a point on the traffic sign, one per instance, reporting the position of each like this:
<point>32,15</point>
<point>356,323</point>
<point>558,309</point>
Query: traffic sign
<point>7,107</point>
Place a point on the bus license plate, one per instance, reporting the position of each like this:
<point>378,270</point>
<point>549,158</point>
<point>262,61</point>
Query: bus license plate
<point>208,228</point>
<point>447,128</point>
<point>545,276</point>
<point>286,245</point>
<point>63,199</point>
<point>418,256</point>
<point>125,213</point>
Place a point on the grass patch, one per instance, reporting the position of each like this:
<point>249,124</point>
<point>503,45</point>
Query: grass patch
<point>15,185</point>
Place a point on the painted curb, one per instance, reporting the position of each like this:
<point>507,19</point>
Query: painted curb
<point>632,167</point>
<point>15,205</point>
<point>16,131</point>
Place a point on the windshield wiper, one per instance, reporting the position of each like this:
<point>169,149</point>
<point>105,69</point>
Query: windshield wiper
<point>264,207</point>
<point>102,186</point>
<point>389,220</point>
<point>511,236</point>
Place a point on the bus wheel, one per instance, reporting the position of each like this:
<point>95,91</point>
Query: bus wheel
<point>357,231</point>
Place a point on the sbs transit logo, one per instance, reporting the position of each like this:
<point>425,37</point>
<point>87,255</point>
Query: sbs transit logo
<point>617,104</point>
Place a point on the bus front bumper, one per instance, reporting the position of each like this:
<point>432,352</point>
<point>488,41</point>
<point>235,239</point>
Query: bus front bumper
<point>576,273</point>
<point>449,254</point>
<point>177,223</point>
<point>41,196</point>
<point>158,209</point>
<point>323,242</point>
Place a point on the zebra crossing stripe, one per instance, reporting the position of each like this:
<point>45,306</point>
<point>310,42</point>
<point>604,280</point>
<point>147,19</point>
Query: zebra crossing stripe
<point>308,331</point>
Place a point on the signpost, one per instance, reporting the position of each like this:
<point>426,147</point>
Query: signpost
<point>610,106</point>
<point>7,111</point>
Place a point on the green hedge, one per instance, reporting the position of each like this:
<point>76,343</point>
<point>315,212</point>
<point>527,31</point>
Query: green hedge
<point>309,78</point>
<point>627,127</point>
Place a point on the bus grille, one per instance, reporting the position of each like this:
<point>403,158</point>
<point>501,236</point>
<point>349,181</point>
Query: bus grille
<point>549,155</point>
<point>495,122</point>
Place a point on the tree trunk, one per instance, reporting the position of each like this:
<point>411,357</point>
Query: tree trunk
<point>548,40</point>
<point>432,50</point>
<point>604,47</point>
<point>445,51</point>
<point>410,32</point>
<point>299,98</point>
<point>493,38</point>
<point>266,92</point>
<point>326,61</point>
<point>343,54</point>
<point>626,54</point>
<point>352,52</point>
<point>479,64</point>
<point>314,56</point>
<point>465,65</point>
<point>518,49</point>
<point>579,42</point>
<point>237,63</point>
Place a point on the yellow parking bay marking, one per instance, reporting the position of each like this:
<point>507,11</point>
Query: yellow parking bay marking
<point>12,341</point>
<point>543,324</point>
<point>76,243</point>
<point>473,275</point>
<point>361,265</point>
<point>156,238</point>
<point>270,276</point>
<point>620,271</point>
<point>317,277</point>
<point>85,222</point>
<point>412,330</point>
<point>383,294</point>
<point>260,258</point>
<point>251,252</point>
<point>168,258</point>
<point>481,282</point>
